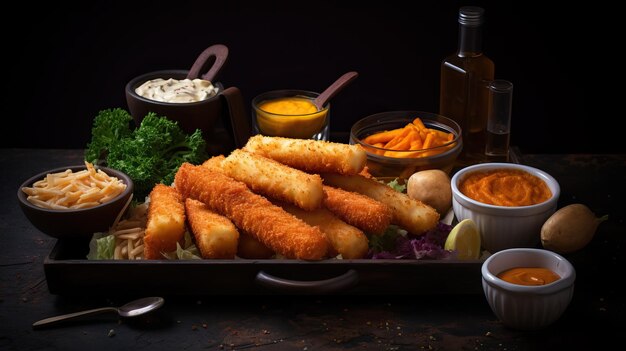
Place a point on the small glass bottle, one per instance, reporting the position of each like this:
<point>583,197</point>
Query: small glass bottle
<point>499,120</point>
<point>464,96</point>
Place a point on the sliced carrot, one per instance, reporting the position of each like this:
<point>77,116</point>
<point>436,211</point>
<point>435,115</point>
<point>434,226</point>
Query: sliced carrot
<point>441,134</point>
<point>428,140</point>
<point>414,136</point>
<point>393,142</point>
<point>382,137</point>
<point>418,122</point>
<point>405,143</point>
<point>397,139</point>
<point>396,154</point>
<point>416,144</point>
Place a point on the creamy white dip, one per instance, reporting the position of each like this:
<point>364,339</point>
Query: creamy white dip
<point>179,91</point>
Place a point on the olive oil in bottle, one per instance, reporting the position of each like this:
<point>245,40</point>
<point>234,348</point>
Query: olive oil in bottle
<point>465,76</point>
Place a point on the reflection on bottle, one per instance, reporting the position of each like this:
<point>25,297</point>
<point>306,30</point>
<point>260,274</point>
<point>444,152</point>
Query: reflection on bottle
<point>499,120</point>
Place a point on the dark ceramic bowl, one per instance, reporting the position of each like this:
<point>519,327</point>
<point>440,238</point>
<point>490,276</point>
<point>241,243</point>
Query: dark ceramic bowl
<point>75,223</point>
<point>190,116</point>
<point>226,106</point>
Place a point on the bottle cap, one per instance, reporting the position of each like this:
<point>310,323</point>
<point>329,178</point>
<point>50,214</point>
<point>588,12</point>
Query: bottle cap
<point>471,16</point>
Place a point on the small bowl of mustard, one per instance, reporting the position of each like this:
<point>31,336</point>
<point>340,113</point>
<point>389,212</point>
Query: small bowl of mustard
<point>528,289</point>
<point>290,113</point>
<point>508,202</point>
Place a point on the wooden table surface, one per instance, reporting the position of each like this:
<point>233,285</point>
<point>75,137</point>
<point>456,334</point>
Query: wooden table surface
<point>336,322</point>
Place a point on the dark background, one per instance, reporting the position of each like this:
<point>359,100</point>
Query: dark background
<point>70,62</point>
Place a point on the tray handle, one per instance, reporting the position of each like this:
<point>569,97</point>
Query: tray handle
<point>331,285</point>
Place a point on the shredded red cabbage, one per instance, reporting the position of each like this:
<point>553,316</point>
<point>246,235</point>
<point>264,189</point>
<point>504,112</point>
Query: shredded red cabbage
<point>427,246</point>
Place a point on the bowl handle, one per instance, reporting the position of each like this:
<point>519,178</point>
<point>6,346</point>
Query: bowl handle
<point>238,122</point>
<point>220,52</point>
<point>336,284</point>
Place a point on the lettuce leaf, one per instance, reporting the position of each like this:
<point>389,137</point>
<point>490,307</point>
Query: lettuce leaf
<point>188,251</point>
<point>386,241</point>
<point>395,185</point>
<point>101,247</point>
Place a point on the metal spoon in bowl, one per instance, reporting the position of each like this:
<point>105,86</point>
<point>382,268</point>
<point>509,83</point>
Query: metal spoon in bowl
<point>333,89</point>
<point>131,309</point>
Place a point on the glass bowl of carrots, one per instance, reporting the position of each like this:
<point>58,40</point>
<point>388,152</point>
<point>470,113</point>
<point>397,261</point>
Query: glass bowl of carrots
<point>400,143</point>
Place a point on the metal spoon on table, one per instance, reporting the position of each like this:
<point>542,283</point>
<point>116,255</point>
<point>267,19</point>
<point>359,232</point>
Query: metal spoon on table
<point>131,309</point>
<point>334,88</point>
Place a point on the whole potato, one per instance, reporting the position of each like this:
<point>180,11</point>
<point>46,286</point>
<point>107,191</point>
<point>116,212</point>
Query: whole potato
<point>431,187</point>
<point>570,228</point>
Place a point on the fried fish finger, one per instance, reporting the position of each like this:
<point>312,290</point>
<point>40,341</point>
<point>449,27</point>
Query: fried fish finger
<point>214,163</point>
<point>249,247</point>
<point>216,236</point>
<point>310,155</point>
<point>270,178</point>
<point>166,221</point>
<point>412,215</point>
<point>344,239</point>
<point>358,210</point>
<point>268,223</point>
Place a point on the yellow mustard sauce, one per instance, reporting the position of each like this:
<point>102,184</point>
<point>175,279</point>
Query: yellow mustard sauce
<point>291,117</point>
<point>505,187</point>
<point>529,276</point>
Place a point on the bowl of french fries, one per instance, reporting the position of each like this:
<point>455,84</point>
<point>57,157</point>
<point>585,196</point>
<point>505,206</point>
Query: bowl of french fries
<point>400,143</point>
<point>76,201</point>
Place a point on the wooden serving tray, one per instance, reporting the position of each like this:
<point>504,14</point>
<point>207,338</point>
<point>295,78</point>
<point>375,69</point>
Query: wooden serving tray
<point>68,272</point>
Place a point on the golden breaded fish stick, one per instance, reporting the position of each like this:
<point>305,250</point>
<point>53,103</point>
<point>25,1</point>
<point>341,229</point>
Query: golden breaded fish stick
<point>310,155</point>
<point>412,215</point>
<point>344,239</point>
<point>249,247</point>
<point>358,210</point>
<point>166,222</point>
<point>214,163</point>
<point>216,236</point>
<point>270,178</point>
<point>270,224</point>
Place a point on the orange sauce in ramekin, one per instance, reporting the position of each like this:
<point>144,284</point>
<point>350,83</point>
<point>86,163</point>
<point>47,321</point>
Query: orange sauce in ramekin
<point>505,187</point>
<point>529,276</point>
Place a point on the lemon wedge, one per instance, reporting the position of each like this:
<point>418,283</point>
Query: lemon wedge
<point>465,239</point>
